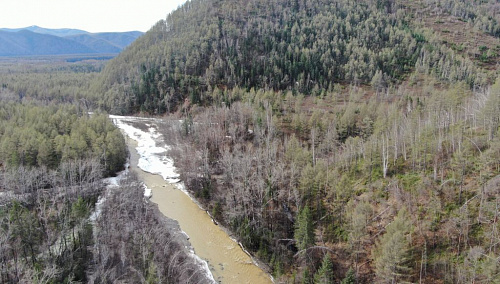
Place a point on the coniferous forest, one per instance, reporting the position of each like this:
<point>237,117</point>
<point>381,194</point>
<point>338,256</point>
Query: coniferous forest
<point>339,141</point>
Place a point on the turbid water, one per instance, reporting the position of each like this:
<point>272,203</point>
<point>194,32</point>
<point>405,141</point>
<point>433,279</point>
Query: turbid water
<point>226,259</point>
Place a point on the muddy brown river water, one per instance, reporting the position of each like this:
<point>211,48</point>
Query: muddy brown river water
<point>226,259</point>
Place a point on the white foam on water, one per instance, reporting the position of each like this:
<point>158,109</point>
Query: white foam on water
<point>203,264</point>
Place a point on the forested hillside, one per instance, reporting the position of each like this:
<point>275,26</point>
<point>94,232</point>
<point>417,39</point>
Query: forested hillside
<point>304,46</point>
<point>352,141</point>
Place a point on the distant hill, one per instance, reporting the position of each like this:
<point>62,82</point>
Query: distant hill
<point>54,32</point>
<point>95,43</point>
<point>23,43</point>
<point>121,40</point>
<point>106,42</point>
<point>40,41</point>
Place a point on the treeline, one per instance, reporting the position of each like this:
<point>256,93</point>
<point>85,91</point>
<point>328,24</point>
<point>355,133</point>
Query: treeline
<point>52,162</point>
<point>32,136</point>
<point>315,191</point>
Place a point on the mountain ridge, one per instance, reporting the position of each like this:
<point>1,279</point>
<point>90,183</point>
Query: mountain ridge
<point>34,40</point>
<point>55,32</point>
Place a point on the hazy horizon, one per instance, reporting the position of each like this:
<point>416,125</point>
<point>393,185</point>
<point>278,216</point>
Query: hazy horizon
<point>91,16</point>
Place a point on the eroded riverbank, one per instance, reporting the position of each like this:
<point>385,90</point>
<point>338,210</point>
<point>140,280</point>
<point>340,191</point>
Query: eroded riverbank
<point>227,261</point>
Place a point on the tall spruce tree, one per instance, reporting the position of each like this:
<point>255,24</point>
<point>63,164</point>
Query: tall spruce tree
<point>391,254</point>
<point>324,275</point>
<point>304,229</point>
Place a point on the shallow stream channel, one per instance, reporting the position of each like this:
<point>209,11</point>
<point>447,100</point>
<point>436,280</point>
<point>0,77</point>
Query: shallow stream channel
<point>227,261</point>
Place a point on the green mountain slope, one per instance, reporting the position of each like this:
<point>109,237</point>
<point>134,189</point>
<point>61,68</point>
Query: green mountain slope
<point>106,42</point>
<point>281,45</point>
<point>276,45</point>
<point>121,40</point>
<point>95,43</point>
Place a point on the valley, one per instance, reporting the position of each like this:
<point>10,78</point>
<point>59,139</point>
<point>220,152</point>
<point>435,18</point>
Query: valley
<point>340,142</point>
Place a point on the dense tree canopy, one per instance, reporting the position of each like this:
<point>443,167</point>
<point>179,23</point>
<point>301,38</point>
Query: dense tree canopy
<point>304,46</point>
<point>299,45</point>
<point>47,136</point>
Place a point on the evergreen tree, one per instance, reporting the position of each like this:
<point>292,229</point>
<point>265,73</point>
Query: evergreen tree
<point>391,254</point>
<point>350,277</point>
<point>304,229</point>
<point>324,275</point>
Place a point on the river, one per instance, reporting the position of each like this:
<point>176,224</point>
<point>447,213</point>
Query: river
<point>226,259</point>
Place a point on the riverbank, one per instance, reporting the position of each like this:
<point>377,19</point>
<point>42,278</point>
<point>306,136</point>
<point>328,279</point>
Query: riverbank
<point>226,259</point>
<point>153,183</point>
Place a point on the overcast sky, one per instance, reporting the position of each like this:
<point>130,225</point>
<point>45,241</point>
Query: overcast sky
<point>89,15</point>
